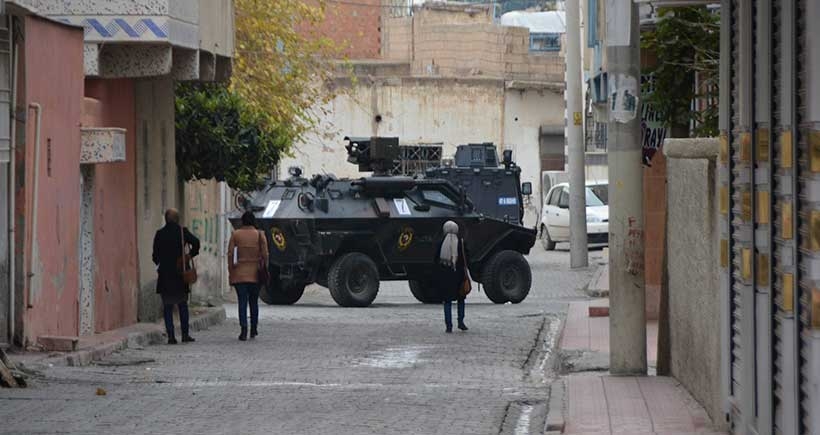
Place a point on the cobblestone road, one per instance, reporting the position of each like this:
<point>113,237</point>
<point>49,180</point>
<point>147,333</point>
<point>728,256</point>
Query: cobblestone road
<point>317,368</point>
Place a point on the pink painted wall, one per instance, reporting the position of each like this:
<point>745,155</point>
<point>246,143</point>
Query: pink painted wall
<point>53,62</point>
<point>115,225</point>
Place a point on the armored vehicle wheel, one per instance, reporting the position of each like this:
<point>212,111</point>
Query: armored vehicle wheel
<point>353,280</point>
<point>424,292</point>
<point>287,294</point>
<point>507,277</point>
<point>546,241</point>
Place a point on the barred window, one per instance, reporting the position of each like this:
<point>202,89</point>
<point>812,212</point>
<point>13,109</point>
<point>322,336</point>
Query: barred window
<point>415,159</point>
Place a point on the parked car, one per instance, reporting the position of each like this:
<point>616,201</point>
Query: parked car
<point>555,215</point>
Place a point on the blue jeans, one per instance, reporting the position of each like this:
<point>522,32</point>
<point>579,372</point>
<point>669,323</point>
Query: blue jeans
<point>168,313</point>
<point>248,292</point>
<point>448,313</point>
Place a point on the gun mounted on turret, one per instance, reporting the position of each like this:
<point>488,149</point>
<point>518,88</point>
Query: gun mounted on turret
<point>373,154</point>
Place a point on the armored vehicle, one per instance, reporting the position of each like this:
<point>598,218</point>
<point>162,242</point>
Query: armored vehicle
<point>350,234</point>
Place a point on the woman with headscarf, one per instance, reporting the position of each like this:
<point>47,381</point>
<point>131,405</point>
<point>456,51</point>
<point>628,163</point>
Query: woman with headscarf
<point>450,273</point>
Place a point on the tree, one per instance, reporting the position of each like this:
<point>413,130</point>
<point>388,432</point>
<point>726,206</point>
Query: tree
<point>218,136</point>
<point>236,132</point>
<point>686,42</point>
<point>282,62</point>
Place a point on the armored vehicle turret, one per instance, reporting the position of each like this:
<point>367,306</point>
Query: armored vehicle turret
<point>350,234</point>
<point>494,188</point>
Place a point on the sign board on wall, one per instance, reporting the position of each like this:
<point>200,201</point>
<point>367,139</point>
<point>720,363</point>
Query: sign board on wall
<point>653,131</point>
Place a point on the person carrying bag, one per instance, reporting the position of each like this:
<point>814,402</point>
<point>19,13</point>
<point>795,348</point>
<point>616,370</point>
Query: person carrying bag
<point>247,270</point>
<point>451,278</point>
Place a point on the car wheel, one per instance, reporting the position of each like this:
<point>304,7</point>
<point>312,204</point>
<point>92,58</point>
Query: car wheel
<point>546,241</point>
<point>287,293</point>
<point>423,291</point>
<point>507,277</point>
<point>353,280</point>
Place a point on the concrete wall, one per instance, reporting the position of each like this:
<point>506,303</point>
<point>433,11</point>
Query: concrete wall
<point>115,226</point>
<point>205,207</point>
<point>654,194</point>
<point>53,288</point>
<point>525,111</point>
<point>692,240</point>
<point>216,26</point>
<point>447,111</point>
<point>433,110</point>
<point>157,187</point>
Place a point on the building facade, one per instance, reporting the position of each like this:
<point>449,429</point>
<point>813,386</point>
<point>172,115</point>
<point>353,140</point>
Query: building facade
<point>93,124</point>
<point>448,76</point>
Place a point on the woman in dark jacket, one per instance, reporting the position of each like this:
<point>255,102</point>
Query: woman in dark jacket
<point>168,248</point>
<point>450,273</point>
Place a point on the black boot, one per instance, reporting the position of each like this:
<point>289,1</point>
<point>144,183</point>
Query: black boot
<point>187,339</point>
<point>254,332</point>
<point>462,326</point>
<point>243,335</point>
<point>172,339</point>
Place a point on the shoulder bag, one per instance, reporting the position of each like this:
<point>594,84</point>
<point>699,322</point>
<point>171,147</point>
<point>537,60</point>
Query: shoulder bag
<point>186,262</point>
<point>467,283</point>
<point>262,274</point>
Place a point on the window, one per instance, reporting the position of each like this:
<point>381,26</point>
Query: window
<point>563,201</point>
<point>602,192</point>
<point>437,197</point>
<point>545,42</point>
<point>556,194</point>
<point>415,159</point>
<point>592,199</point>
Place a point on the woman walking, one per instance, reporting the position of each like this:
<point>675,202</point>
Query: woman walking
<point>450,275</point>
<point>247,253</point>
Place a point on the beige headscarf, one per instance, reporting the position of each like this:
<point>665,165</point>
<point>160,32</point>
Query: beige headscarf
<point>449,249</point>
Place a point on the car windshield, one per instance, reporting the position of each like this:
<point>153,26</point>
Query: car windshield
<point>592,199</point>
<point>601,191</point>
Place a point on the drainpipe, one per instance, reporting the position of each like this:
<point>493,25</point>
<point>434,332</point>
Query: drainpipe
<point>12,179</point>
<point>33,247</point>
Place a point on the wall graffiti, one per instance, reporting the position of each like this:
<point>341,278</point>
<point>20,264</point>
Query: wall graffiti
<point>204,224</point>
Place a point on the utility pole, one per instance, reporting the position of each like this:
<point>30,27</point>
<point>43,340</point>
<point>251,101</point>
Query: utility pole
<point>575,140</point>
<point>627,297</point>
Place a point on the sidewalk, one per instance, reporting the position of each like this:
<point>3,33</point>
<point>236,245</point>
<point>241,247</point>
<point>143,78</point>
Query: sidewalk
<point>99,346</point>
<point>596,403</point>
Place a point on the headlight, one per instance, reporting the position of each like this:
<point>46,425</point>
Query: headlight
<point>593,219</point>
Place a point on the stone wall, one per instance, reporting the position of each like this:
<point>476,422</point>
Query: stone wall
<point>482,50</point>
<point>694,298</point>
<point>462,41</point>
<point>397,39</point>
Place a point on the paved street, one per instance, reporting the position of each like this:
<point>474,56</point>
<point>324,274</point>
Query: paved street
<point>317,368</point>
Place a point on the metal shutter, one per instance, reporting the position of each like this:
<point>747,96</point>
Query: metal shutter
<point>761,206</point>
<point>784,337</point>
<point>808,207</point>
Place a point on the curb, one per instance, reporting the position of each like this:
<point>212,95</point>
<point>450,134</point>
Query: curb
<point>156,335</point>
<point>597,292</point>
<point>555,408</point>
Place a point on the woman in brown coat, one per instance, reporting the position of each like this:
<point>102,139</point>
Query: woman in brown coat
<point>245,248</point>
